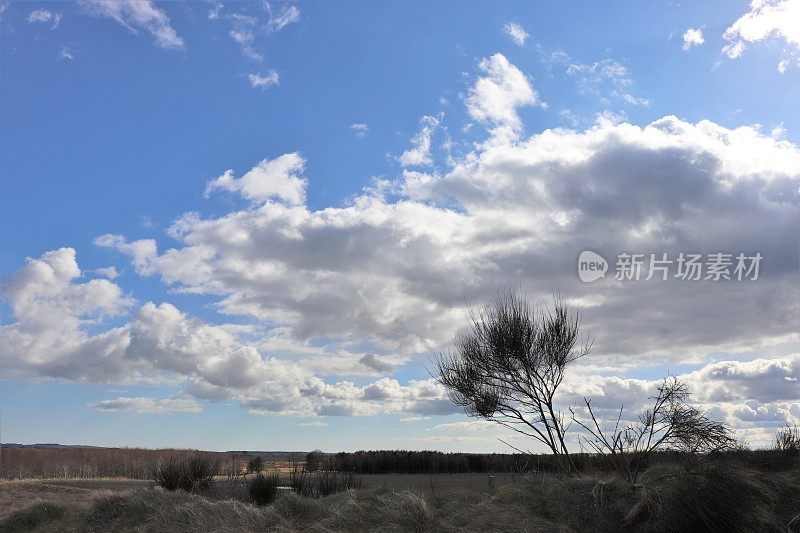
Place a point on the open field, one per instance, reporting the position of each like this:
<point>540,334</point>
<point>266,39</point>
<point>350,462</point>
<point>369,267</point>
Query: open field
<point>79,493</point>
<point>717,495</point>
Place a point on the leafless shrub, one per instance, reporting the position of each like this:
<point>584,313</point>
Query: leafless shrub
<point>671,424</point>
<point>325,483</point>
<point>507,367</point>
<point>88,462</point>
<point>787,439</point>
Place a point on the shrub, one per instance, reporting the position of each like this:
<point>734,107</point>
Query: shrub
<point>199,474</point>
<point>314,460</point>
<point>322,483</point>
<point>715,497</point>
<point>35,516</point>
<point>169,474</point>
<point>195,474</point>
<point>255,465</point>
<point>787,439</point>
<point>264,489</point>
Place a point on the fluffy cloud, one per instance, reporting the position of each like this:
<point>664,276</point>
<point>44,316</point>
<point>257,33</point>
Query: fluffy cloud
<point>516,32</point>
<point>766,19</point>
<point>390,271</point>
<point>753,397</point>
<point>397,272</point>
<point>125,404</point>
<point>244,38</point>
<point>692,37</point>
<point>281,18</point>
<point>262,81</point>
<point>495,97</point>
<point>65,53</point>
<point>277,178</point>
<point>108,272</point>
<point>137,15</point>
<point>360,129</point>
<point>51,338</point>
<point>44,16</point>
<point>247,26</point>
<point>420,153</point>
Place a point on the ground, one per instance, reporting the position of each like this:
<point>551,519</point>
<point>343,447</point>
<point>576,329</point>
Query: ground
<point>713,496</point>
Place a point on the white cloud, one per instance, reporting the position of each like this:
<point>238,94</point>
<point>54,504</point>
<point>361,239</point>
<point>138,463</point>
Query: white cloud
<point>606,79</point>
<point>146,405</point>
<point>107,272</point>
<point>213,13</point>
<point>766,19</point>
<point>494,98</point>
<point>692,37</point>
<point>279,178</point>
<point>44,16</point>
<point>397,273</point>
<point>360,129</point>
<point>162,344</point>
<point>137,15</point>
<point>420,152</point>
<point>263,81</point>
<point>286,15</point>
<point>65,53</point>
<point>315,423</point>
<point>390,273</point>
<point>516,32</point>
<point>571,118</point>
<point>245,38</point>
<point>469,425</point>
<point>752,397</point>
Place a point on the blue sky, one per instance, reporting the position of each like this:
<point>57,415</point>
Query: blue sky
<point>398,191</point>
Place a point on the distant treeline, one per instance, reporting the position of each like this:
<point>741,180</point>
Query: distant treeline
<point>430,462</point>
<point>79,462</point>
<point>17,462</point>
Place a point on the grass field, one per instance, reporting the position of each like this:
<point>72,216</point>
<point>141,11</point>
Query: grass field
<point>716,497</point>
<point>79,493</point>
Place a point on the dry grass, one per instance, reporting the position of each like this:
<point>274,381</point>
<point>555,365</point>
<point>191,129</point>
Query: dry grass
<point>716,497</point>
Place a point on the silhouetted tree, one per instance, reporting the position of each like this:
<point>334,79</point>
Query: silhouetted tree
<point>507,367</point>
<point>314,460</point>
<point>255,465</point>
<point>671,424</point>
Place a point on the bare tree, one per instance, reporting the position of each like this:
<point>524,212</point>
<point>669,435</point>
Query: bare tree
<point>671,424</point>
<point>507,367</point>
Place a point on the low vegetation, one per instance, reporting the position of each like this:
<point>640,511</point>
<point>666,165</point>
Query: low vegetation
<point>721,494</point>
<point>263,489</point>
<point>192,474</point>
<point>672,469</point>
<point>88,462</point>
<point>318,484</point>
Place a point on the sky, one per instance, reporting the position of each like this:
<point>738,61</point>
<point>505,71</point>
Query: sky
<point>252,225</point>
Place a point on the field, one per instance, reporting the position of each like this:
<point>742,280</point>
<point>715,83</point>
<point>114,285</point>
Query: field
<point>744,492</point>
<point>15,495</point>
